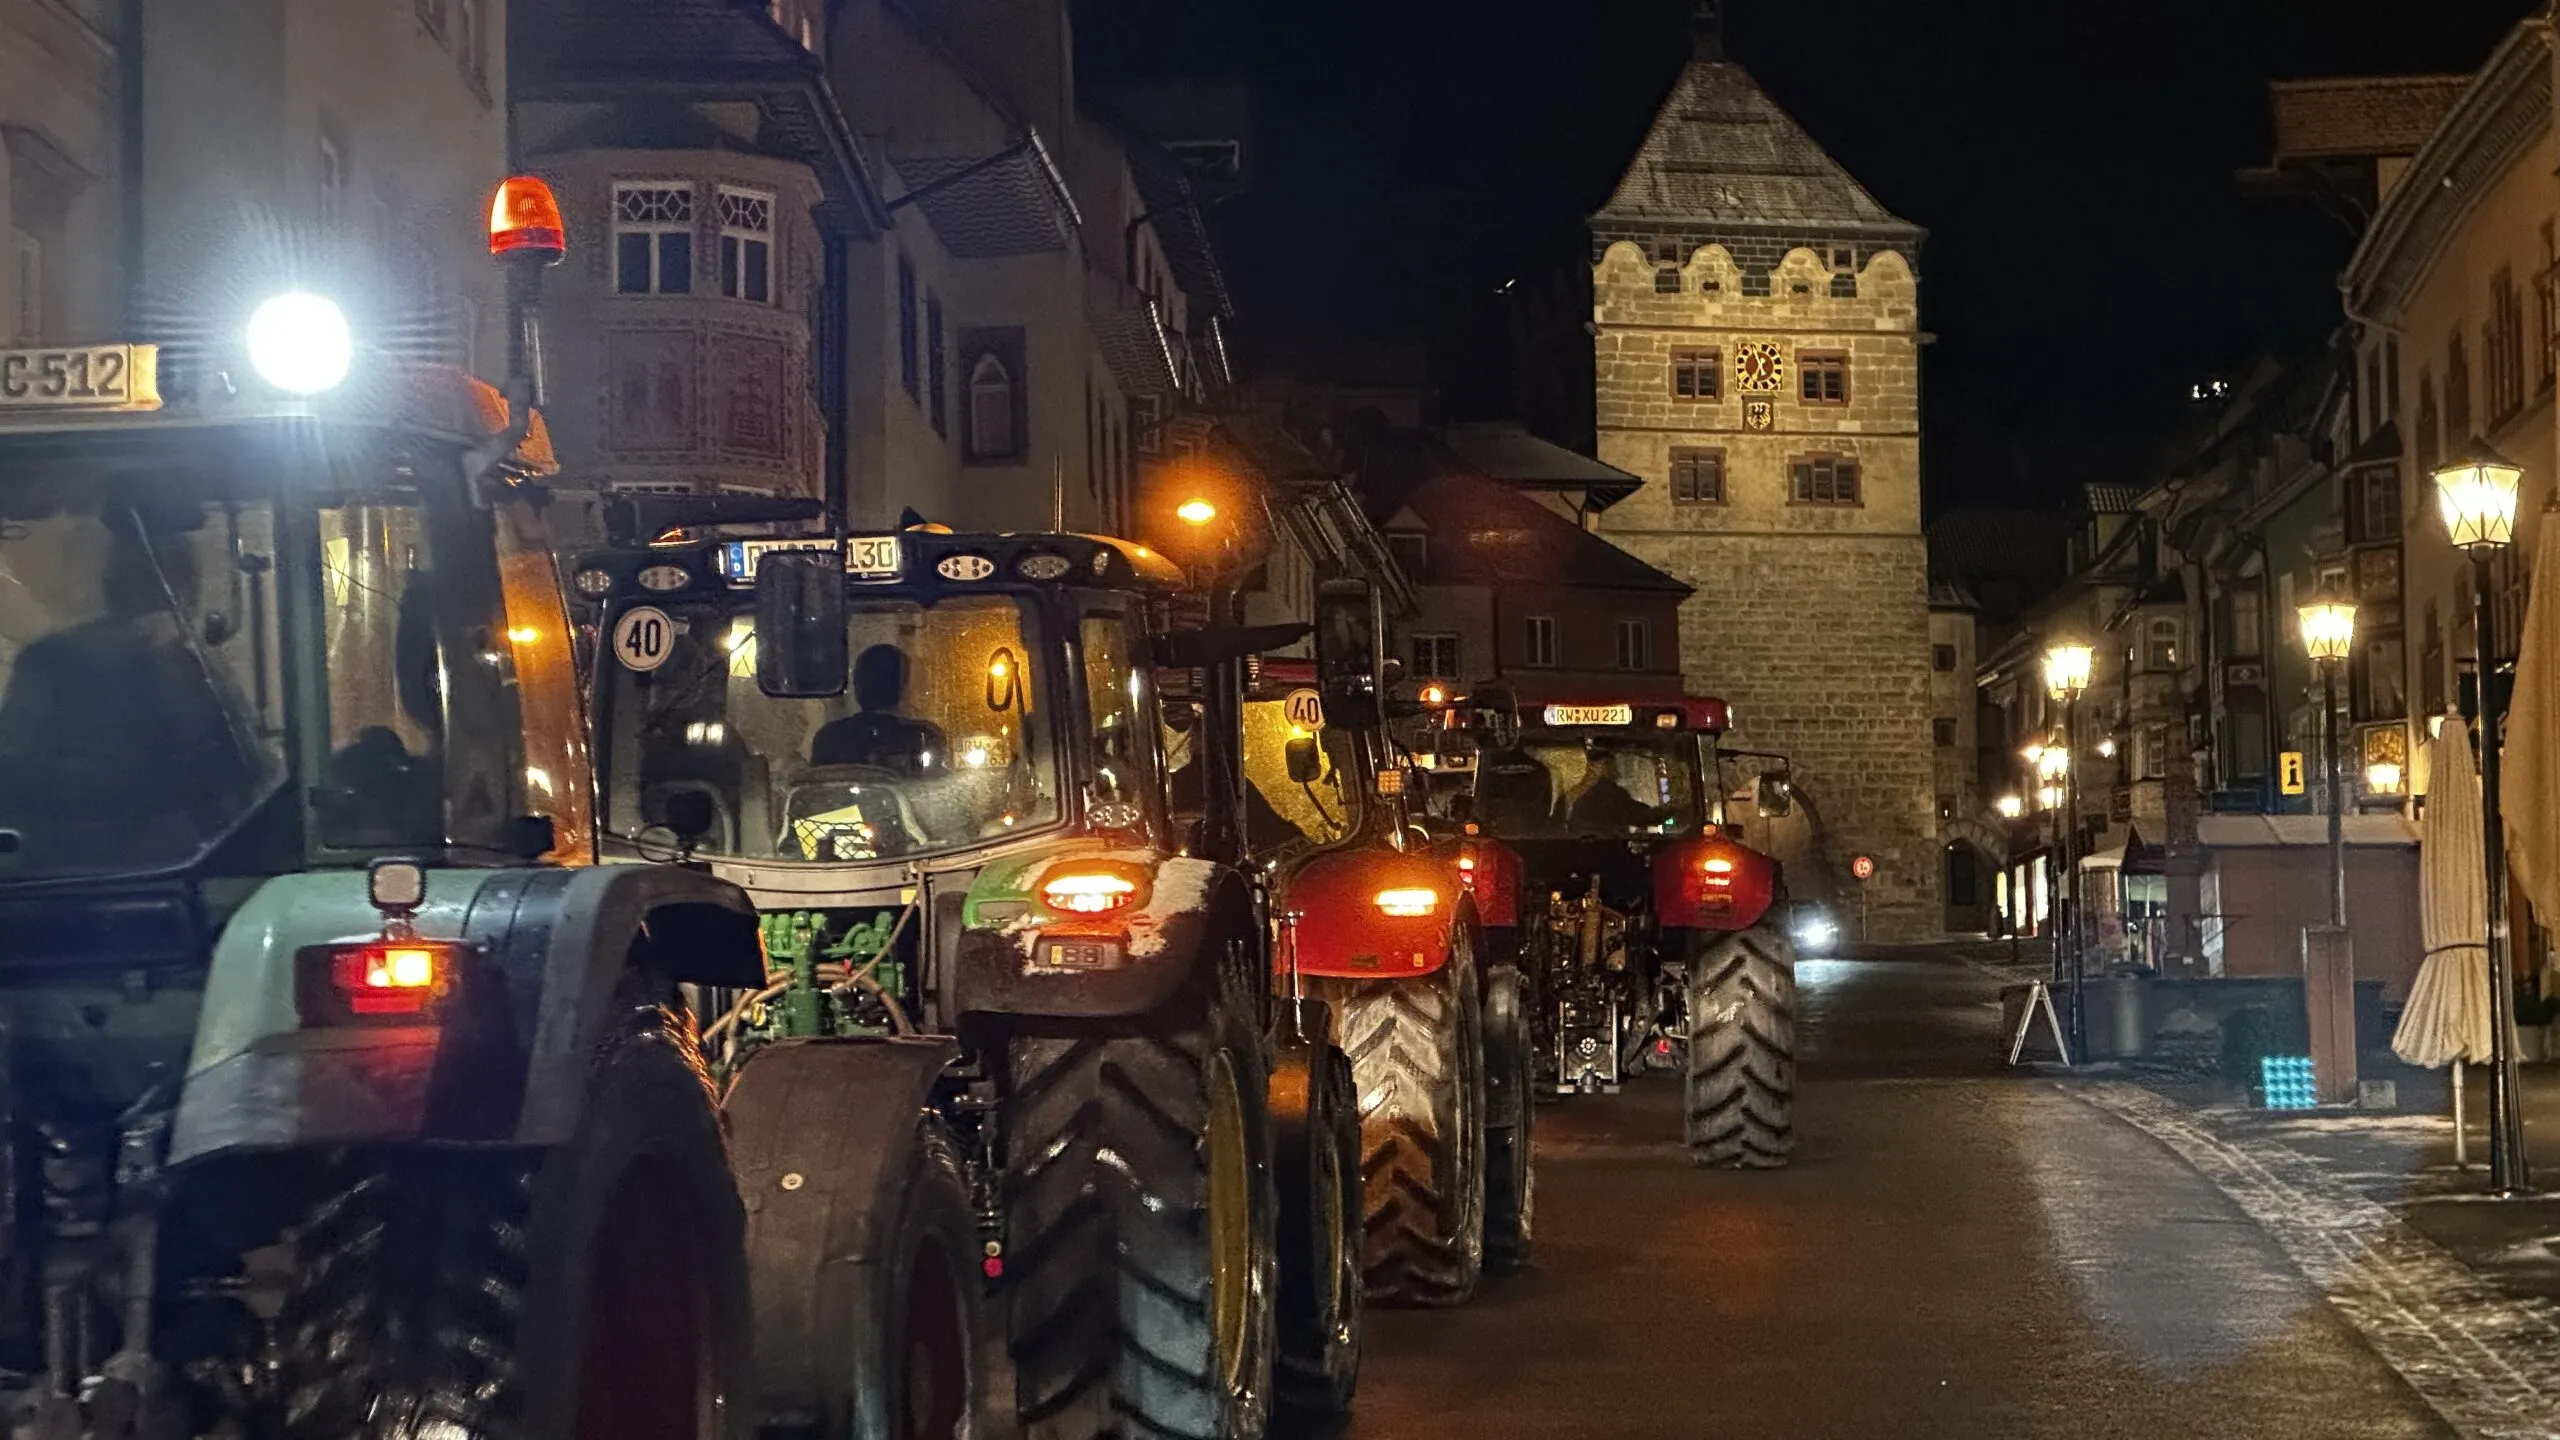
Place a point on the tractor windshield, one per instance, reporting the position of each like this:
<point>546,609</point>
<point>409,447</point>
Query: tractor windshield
<point>1555,783</point>
<point>147,588</point>
<point>942,741</point>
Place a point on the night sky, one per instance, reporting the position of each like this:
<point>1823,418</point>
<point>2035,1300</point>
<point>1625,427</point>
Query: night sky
<point>2089,254</point>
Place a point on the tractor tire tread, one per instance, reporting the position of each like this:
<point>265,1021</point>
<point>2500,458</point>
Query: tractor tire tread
<point>1740,1091</point>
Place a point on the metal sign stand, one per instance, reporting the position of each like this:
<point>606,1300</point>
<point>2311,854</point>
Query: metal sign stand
<point>2039,998</point>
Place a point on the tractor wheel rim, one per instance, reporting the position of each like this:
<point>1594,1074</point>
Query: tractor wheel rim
<point>1230,1222</point>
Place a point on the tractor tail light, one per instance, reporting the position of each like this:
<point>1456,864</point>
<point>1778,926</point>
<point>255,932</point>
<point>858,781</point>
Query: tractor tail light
<point>1089,892</point>
<point>380,980</point>
<point>1410,901</point>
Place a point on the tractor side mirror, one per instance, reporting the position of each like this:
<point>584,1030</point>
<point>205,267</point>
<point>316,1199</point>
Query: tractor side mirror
<point>1777,798</point>
<point>1349,657</point>
<point>802,649</point>
<point>1306,766</point>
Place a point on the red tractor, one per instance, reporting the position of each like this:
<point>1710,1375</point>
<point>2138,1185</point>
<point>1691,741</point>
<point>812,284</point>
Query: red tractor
<point>1654,936</point>
<point>1388,925</point>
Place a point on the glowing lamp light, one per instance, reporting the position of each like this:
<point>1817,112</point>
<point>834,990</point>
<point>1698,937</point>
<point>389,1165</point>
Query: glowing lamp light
<point>1410,901</point>
<point>387,979</point>
<point>2477,496</point>
<point>299,343</point>
<point>2049,798</point>
<point>1089,893</point>
<point>2383,777</point>
<point>524,219</point>
<point>1435,694</point>
<point>1196,511</point>
<point>2328,627</point>
<point>2107,748</point>
<point>2010,807</point>
<point>2066,669</point>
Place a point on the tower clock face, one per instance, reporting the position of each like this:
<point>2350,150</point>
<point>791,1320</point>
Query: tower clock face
<point>1758,367</point>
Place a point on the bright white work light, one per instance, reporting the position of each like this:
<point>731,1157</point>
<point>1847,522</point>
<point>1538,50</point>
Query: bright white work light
<point>299,343</point>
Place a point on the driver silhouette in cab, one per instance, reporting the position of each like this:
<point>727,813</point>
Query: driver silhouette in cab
<point>878,735</point>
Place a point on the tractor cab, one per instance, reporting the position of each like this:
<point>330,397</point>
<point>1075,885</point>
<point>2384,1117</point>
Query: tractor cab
<point>273,609</point>
<point>961,725</point>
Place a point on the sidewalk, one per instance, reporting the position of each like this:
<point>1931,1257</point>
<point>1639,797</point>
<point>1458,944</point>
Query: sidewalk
<point>2403,1159</point>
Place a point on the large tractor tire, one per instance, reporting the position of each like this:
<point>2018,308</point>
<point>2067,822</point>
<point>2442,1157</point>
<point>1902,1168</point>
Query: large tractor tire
<point>1142,1257</point>
<point>1417,1059</point>
<point>594,1290</point>
<point>1510,1176</point>
<point>1316,1115</point>
<point>1742,1050</point>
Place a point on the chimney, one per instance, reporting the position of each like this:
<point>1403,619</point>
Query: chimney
<point>1706,29</point>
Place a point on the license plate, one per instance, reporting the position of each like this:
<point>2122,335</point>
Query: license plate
<point>81,377</point>
<point>1591,714</point>
<point>866,557</point>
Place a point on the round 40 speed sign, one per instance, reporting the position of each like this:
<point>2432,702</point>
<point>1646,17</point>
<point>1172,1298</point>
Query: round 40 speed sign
<point>643,638</point>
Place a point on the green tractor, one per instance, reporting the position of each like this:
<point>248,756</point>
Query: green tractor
<point>1017,1083</point>
<point>338,1096</point>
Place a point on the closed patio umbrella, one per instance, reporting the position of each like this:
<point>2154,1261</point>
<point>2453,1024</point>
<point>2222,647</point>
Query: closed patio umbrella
<point>2529,789</point>
<point>2447,1019</point>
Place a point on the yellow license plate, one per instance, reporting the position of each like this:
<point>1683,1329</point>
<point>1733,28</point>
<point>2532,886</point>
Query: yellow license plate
<point>81,377</point>
<point>1591,714</point>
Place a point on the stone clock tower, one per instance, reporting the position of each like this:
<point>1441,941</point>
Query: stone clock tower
<point>1756,315</point>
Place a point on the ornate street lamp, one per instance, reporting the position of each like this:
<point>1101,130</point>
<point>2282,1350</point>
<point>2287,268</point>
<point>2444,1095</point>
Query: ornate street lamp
<point>2010,807</point>
<point>2329,634</point>
<point>2477,494</point>
<point>2067,665</point>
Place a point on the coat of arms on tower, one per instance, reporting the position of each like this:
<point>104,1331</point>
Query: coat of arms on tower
<point>1758,415</point>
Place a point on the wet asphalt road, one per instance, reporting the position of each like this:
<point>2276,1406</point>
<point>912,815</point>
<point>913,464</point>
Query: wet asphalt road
<point>1957,1251</point>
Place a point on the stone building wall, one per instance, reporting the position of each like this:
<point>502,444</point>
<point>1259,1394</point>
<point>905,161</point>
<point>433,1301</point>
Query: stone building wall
<point>1812,620</point>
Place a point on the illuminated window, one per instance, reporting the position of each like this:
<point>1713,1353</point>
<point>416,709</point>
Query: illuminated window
<point>746,245</point>
<point>653,238</point>
<point>2164,644</point>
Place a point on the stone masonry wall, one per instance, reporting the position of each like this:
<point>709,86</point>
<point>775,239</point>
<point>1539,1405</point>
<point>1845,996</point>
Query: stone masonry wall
<point>1812,620</point>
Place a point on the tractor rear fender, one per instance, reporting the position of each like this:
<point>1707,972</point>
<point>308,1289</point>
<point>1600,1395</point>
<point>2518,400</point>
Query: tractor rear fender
<point>1709,882</point>
<point>501,1057</point>
<point>1344,930</point>
<point>825,1135</point>
<point>1016,956</point>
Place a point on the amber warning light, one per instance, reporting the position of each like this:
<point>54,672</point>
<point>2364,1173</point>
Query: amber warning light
<point>524,219</point>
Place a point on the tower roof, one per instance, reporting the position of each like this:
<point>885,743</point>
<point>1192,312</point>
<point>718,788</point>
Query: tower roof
<point>1721,152</point>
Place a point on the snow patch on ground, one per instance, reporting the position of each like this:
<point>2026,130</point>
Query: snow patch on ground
<point>2488,1364</point>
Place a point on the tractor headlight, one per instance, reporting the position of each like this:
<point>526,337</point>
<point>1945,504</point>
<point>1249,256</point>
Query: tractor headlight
<point>1816,931</point>
<point>299,342</point>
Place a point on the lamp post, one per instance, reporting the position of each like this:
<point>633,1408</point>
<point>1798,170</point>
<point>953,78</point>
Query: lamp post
<point>2477,496</point>
<point>2066,675</point>
<point>2329,635</point>
<point>2328,952</point>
